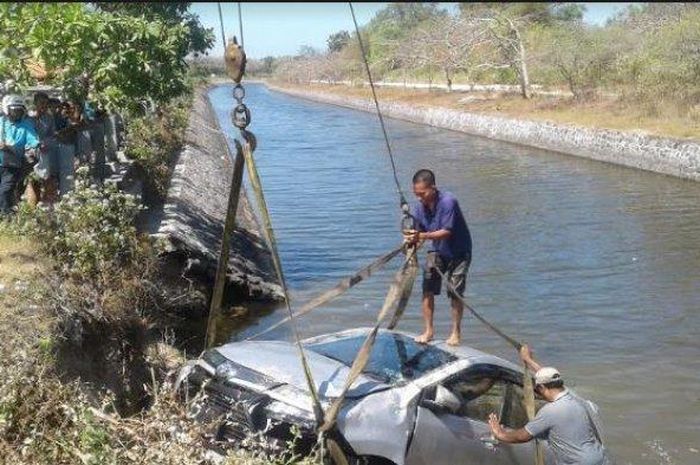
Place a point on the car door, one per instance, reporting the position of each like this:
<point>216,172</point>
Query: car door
<point>462,436</point>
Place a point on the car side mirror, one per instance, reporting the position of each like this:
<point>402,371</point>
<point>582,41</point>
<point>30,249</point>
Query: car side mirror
<point>445,402</point>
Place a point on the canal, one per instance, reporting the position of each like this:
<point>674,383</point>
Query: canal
<point>597,266</point>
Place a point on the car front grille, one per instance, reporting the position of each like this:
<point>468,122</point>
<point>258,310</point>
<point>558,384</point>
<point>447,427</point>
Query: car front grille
<point>229,407</point>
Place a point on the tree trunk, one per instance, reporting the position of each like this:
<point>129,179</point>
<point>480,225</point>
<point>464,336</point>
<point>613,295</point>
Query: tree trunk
<point>522,65</point>
<point>449,81</point>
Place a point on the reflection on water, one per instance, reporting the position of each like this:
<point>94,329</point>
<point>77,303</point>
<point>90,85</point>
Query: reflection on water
<point>596,265</point>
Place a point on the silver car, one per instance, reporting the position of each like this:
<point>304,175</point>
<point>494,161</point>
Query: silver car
<point>414,404</point>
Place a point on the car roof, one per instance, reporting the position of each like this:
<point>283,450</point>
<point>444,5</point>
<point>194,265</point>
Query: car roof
<point>463,352</point>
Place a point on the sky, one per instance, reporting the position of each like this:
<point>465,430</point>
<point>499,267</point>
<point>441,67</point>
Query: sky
<point>282,28</point>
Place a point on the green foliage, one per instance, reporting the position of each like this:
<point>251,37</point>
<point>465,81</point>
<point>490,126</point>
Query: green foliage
<point>200,39</point>
<point>577,55</point>
<point>152,140</point>
<point>648,55</point>
<point>673,62</point>
<point>337,41</point>
<point>533,12</point>
<point>392,25</point>
<point>90,233</point>
<point>116,60</point>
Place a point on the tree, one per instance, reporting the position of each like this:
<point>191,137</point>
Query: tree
<point>507,23</point>
<point>337,41</point>
<point>444,43</point>
<point>114,60</point>
<point>308,51</point>
<point>579,55</point>
<point>200,38</point>
<point>394,24</point>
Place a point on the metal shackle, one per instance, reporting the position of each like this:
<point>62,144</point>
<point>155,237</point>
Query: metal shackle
<point>240,117</point>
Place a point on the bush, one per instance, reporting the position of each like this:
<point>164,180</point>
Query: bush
<point>667,69</point>
<point>90,233</point>
<point>151,140</point>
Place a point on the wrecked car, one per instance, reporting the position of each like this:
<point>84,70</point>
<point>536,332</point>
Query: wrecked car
<point>413,404</point>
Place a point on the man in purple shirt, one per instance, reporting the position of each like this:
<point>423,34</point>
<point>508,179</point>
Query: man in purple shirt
<point>437,217</point>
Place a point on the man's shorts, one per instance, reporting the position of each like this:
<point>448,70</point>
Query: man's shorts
<point>454,269</point>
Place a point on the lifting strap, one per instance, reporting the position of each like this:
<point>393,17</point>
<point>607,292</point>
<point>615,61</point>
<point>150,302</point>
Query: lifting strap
<point>409,277</point>
<point>270,235</point>
<point>222,265</point>
<point>516,345</point>
<point>341,287</point>
<point>528,388</point>
<point>393,298</point>
<point>241,119</point>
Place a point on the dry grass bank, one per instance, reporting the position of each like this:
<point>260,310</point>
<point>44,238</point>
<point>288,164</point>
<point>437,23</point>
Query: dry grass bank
<point>603,113</point>
<point>105,399</point>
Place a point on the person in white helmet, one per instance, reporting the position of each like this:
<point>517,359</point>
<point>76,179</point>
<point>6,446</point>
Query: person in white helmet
<point>569,423</point>
<point>18,139</point>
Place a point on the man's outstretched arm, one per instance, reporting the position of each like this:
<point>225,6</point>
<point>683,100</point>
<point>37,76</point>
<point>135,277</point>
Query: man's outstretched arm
<point>514,436</point>
<point>528,359</point>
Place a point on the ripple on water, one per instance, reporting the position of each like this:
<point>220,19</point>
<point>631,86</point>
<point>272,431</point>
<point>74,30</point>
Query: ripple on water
<point>597,265</point>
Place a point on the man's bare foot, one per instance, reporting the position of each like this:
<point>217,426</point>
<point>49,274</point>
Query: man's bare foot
<point>424,338</point>
<point>454,340</point>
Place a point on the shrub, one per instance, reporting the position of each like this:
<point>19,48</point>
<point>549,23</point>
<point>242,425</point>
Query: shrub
<point>151,140</point>
<point>92,231</point>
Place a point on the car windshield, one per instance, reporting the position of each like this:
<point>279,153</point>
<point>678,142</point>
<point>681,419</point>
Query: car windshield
<point>395,358</point>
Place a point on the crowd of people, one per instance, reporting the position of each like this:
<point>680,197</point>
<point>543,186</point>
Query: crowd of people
<point>42,144</point>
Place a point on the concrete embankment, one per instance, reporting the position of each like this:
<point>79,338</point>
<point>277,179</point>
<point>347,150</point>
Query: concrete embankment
<point>673,157</point>
<point>191,221</point>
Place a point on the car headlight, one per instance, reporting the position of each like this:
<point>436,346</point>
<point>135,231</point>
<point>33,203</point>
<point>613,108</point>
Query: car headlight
<point>291,409</point>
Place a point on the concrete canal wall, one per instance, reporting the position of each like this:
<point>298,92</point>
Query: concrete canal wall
<point>673,157</point>
<point>191,221</point>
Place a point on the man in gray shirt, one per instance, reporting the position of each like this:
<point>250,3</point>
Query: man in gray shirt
<point>568,423</point>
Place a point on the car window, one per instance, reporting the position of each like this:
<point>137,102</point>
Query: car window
<point>395,358</point>
<point>514,414</point>
<point>487,389</point>
<point>480,396</point>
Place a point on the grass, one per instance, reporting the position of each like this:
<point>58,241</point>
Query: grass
<point>50,417</point>
<point>60,397</point>
<point>603,113</point>
<point>21,293</point>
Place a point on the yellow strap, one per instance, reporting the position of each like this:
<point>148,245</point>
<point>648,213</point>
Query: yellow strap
<point>406,287</point>
<point>396,290</point>
<point>257,188</point>
<point>341,287</point>
<point>222,266</point>
<point>529,404</point>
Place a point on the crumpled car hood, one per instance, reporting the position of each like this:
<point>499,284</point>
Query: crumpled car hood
<point>280,361</point>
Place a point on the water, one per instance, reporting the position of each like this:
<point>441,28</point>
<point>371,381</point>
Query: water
<point>597,266</point>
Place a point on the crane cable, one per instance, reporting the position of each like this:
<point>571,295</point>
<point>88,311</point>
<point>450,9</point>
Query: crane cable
<point>402,197</point>
<point>221,23</point>
<point>240,23</point>
<point>529,394</point>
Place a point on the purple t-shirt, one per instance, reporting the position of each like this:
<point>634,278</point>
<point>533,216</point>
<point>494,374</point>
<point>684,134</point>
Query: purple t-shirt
<point>446,215</point>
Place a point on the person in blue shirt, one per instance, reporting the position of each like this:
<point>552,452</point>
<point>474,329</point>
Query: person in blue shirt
<point>18,139</point>
<point>438,218</point>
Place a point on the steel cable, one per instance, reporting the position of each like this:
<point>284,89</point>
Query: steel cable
<point>402,198</point>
